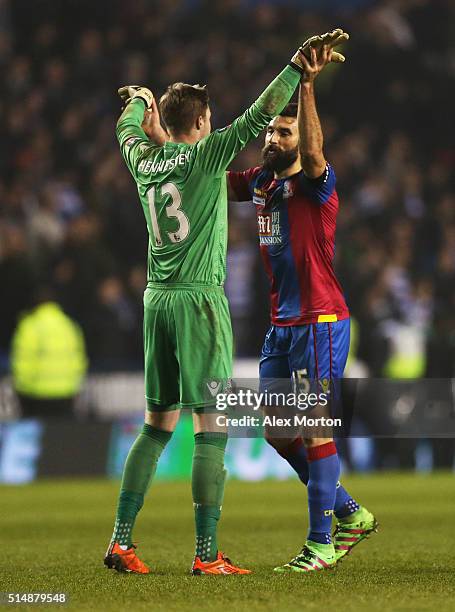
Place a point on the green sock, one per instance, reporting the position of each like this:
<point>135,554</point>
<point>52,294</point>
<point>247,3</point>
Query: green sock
<point>208,488</point>
<point>140,467</point>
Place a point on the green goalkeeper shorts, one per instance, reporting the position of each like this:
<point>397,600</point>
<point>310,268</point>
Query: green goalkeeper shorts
<point>187,344</point>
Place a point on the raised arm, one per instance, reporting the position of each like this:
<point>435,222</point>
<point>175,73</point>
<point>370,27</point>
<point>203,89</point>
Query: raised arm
<point>152,125</point>
<point>216,152</point>
<point>318,51</point>
<point>132,138</point>
<point>310,132</point>
<point>137,100</point>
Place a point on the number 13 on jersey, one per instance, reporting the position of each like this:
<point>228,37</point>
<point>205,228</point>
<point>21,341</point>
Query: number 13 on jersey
<point>172,211</point>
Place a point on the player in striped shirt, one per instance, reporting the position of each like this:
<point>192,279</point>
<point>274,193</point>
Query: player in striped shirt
<point>296,205</point>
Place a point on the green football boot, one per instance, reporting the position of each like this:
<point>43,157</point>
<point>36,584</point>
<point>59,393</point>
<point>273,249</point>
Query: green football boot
<point>313,557</point>
<point>352,530</point>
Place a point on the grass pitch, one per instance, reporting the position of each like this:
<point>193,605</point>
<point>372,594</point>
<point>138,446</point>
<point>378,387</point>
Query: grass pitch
<point>54,535</point>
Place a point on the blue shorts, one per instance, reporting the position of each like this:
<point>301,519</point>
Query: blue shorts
<point>316,351</point>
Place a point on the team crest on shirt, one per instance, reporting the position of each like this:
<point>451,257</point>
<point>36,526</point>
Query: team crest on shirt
<point>259,197</point>
<point>269,228</point>
<point>288,190</point>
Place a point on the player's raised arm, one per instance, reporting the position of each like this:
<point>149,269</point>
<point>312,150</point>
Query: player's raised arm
<point>132,138</point>
<point>306,62</point>
<point>310,132</point>
<point>217,150</point>
<point>152,125</point>
<point>313,56</point>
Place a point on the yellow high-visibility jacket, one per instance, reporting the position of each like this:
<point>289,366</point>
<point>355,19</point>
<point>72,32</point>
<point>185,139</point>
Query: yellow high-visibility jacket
<point>48,357</point>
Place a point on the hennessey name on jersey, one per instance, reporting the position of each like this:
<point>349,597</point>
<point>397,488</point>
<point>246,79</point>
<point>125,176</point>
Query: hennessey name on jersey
<point>269,228</point>
<point>148,166</point>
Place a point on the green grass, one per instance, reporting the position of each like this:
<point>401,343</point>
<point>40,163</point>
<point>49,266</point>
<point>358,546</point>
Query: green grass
<point>54,535</point>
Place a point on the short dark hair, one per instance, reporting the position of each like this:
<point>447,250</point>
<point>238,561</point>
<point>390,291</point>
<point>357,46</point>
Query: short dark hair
<point>290,110</point>
<point>181,105</point>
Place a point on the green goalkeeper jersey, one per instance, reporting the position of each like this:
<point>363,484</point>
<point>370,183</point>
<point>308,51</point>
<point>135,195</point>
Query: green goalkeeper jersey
<point>182,187</point>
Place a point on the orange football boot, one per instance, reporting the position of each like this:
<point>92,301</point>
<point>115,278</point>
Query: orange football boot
<point>222,565</point>
<point>124,560</point>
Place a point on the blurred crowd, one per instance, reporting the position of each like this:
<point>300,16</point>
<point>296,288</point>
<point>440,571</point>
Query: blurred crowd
<point>70,218</point>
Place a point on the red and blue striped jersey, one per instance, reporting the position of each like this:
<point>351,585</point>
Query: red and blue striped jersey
<point>296,219</point>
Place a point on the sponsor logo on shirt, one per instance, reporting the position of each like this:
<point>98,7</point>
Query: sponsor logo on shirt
<point>259,197</point>
<point>269,228</point>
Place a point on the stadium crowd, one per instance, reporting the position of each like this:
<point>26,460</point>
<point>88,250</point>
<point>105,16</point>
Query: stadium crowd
<point>70,218</point>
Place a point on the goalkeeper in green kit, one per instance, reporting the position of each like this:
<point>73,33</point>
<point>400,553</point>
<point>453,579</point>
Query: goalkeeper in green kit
<point>187,328</point>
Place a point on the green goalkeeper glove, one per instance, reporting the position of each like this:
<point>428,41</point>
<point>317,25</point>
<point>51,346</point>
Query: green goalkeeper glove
<point>129,92</point>
<point>332,39</point>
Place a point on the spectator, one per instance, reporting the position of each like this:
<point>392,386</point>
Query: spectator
<point>48,359</point>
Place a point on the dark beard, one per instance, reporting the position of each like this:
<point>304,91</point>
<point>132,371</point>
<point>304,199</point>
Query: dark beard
<point>278,161</point>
